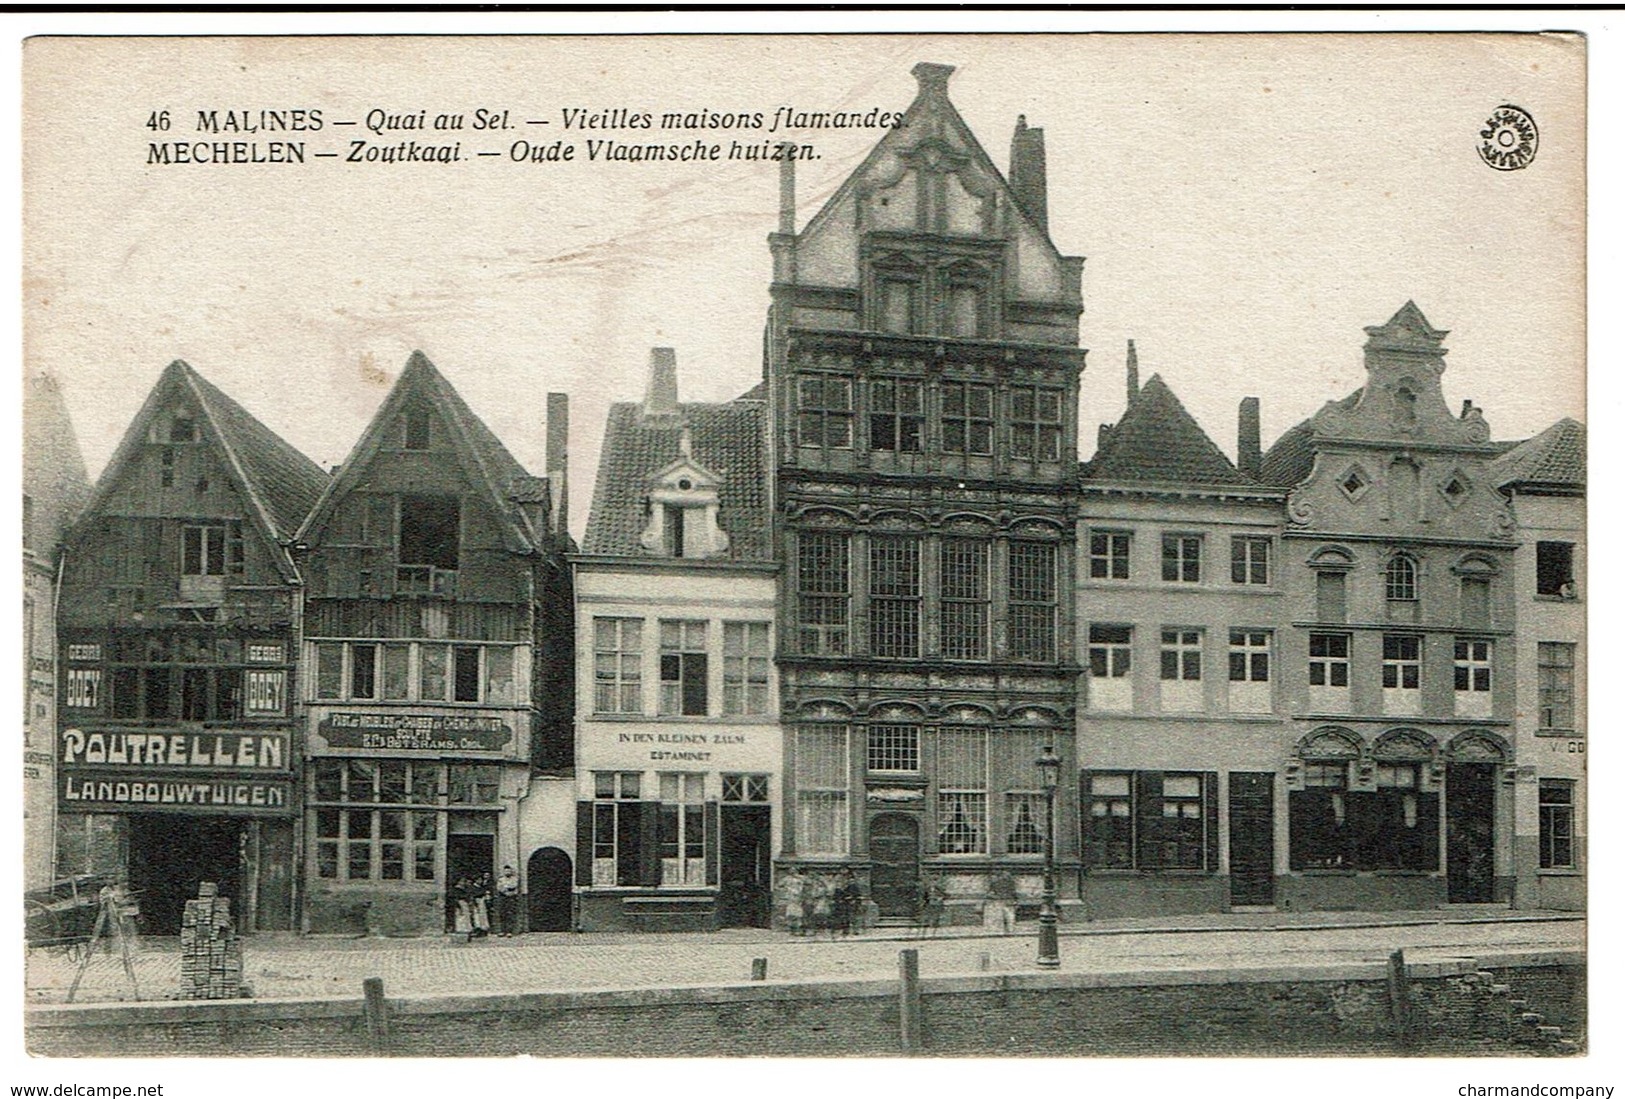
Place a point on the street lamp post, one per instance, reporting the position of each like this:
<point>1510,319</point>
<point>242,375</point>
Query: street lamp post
<point>1049,945</point>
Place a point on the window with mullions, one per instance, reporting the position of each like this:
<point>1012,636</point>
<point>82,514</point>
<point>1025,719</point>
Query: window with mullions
<point>824,416</point>
<point>212,549</point>
<point>1555,683</point>
<point>392,837</point>
<point>1250,671</point>
<point>164,675</point>
<point>1035,423</point>
<point>1111,651</point>
<point>822,781</point>
<point>1399,580</point>
<point>1556,824</point>
<point>1249,560</point>
<point>1108,831</point>
<point>745,660</point>
<point>1182,558</point>
<point>427,671</point>
<point>824,591</point>
<point>617,665</point>
<point>1181,669</point>
<point>1401,674</point>
<point>430,536</point>
<point>894,596</point>
<point>1108,555</point>
<point>616,827</point>
<point>1472,677</point>
<point>682,829</point>
<point>964,599</point>
<point>1033,605</point>
<point>683,671</point>
<point>1180,831</point>
<point>1328,671</point>
<point>1554,569</point>
<point>962,792</point>
<point>744,788</point>
<point>1321,838</point>
<point>1397,827</point>
<point>894,748</point>
<point>967,418</point>
<point>896,415</point>
<point>1026,805</point>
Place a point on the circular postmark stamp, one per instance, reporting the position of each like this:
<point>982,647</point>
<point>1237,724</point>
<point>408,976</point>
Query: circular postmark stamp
<point>1508,139</point>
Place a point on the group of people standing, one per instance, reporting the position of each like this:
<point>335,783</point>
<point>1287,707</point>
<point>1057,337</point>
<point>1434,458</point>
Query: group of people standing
<point>814,903</point>
<point>472,900</point>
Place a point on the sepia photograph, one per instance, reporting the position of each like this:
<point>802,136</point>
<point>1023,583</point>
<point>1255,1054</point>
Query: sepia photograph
<point>805,546</point>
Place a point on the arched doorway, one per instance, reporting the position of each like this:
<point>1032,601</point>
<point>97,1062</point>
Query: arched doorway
<point>548,877</point>
<point>894,877</point>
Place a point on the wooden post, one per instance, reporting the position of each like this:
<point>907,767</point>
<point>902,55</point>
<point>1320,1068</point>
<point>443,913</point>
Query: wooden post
<point>1399,998</point>
<point>758,969</point>
<point>908,999</point>
<point>376,1011</point>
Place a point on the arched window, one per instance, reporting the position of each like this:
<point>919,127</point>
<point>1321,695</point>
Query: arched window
<point>1401,580</point>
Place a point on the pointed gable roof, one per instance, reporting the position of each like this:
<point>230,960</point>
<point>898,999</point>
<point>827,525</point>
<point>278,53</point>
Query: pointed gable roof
<point>54,476</point>
<point>931,108</point>
<point>1159,442</point>
<point>489,464</point>
<point>278,483</point>
<point>726,439</point>
<point>1290,459</point>
<point>1554,459</point>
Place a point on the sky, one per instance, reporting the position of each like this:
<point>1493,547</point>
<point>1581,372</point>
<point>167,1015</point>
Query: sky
<point>1246,204</point>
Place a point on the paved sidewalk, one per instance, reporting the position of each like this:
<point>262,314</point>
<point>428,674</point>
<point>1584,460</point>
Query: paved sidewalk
<point>283,967</point>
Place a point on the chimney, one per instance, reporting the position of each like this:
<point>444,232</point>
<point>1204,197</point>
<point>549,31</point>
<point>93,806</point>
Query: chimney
<point>1102,433</point>
<point>787,190</point>
<point>660,398</point>
<point>1028,177</point>
<point>558,461</point>
<point>1133,373</point>
<point>1466,407</point>
<point>1249,454</point>
<point>933,79</point>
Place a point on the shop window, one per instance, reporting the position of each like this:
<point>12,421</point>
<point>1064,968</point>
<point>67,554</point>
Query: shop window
<point>1329,672</point>
<point>1249,560</point>
<point>896,416</point>
<point>1035,423</point>
<point>617,665</point>
<point>1182,558</point>
<point>746,659</point>
<point>683,668</point>
<point>1181,669</point>
<point>616,828</point>
<point>967,418</point>
<point>1555,684</point>
<point>1472,680</point>
<point>1033,604</point>
<point>390,837</point>
<point>1397,826</point>
<point>1554,569</point>
<point>962,792</point>
<point>824,592</point>
<point>88,845</point>
<point>1320,836</point>
<point>1556,824</point>
<point>1026,805</point>
<point>473,784</point>
<point>825,415</point>
<point>1110,662</point>
<point>682,829</point>
<point>1108,554</point>
<point>964,598</point>
<point>1151,820</point>
<point>894,596</point>
<point>430,535</point>
<point>1250,671</point>
<point>1401,675</point>
<point>822,781</point>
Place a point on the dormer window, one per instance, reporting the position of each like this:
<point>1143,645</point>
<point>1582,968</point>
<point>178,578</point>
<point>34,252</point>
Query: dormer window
<point>682,509</point>
<point>183,429</point>
<point>674,530</point>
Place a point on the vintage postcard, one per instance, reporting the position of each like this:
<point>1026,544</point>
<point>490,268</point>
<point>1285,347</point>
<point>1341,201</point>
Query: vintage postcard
<point>1064,545</point>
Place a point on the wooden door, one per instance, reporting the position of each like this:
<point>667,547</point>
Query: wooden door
<point>1252,837</point>
<point>894,852</point>
<point>547,885</point>
<point>746,871</point>
<point>1469,806</point>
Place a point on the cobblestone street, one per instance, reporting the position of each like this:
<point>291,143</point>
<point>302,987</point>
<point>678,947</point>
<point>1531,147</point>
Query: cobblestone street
<point>293,968</point>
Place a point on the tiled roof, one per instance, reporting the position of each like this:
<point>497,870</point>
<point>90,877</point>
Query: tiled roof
<point>54,477</point>
<point>283,481</point>
<point>1292,457</point>
<point>1555,457</point>
<point>725,438</point>
<point>1159,442</point>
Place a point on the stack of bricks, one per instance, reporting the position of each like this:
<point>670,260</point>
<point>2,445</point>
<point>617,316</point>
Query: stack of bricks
<point>211,955</point>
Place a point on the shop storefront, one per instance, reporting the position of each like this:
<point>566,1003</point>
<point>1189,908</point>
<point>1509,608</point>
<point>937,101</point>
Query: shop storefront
<point>167,809</point>
<point>401,807</point>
